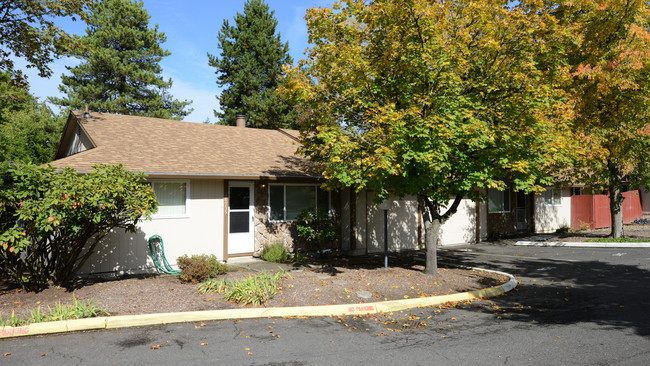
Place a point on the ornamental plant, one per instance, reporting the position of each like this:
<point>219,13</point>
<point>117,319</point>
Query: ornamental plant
<point>275,252</point>
<point>198,268</point>
<point>315,228</point>
<point>52,221</point>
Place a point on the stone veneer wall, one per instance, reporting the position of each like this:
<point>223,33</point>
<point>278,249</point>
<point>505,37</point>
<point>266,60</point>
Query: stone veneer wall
<point>505,223</point>
<point>267,232</point>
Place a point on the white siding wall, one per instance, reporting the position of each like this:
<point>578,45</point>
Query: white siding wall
<point>199,233</point>
<point>461,226</point>
<point>79,143</point>
<point>550,218</point>
<point>403,224</point>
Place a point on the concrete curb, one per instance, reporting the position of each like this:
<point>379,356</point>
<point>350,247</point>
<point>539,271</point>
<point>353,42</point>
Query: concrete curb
<point>125,321</point>
<point>581,244</point>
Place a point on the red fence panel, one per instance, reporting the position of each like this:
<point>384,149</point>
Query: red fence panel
<point>582,213</point>
<point>632,209</point>
<point>592,211</point>
<point>602,216</point>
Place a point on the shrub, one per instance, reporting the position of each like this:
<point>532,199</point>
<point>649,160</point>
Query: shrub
<point>562,229</point>
<point>199,268</point>
<point>255,290</point>
<point>315,227</point>
<point>275,252</point>
<point>52,221</point>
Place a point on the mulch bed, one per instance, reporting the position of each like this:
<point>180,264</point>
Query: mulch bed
<point>308,286</point>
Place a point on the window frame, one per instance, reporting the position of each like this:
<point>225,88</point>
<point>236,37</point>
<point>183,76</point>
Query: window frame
<point>284,198</point>
<point>551,193</point>
<point>187,198</point>
<point>503,195</point>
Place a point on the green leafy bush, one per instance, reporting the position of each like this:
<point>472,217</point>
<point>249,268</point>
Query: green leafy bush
<point>52,221</point>
<point>315,227</point>
<point>78,310</point>
<point>199,268</point>
<point>275,252</point>
<point>255,290</point>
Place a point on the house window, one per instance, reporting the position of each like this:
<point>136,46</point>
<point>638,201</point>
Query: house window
<point>287,201</point>
<point>553,197</point>
<point>498,201</point>
<point>172,198</point>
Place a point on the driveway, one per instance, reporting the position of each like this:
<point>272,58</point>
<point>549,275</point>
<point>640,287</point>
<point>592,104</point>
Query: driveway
<point>574,306</point>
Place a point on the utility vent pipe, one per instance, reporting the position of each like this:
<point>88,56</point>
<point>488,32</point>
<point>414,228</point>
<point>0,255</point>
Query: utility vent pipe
<point>241,120</point>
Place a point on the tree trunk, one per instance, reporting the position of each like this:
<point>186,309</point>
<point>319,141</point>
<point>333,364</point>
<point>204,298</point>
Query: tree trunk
<point>433,221</point>
<point>432,237</point>
<point>616,209</point>
<point>615,200</point>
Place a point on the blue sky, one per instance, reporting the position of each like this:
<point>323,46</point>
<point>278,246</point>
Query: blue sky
<point>191,27</point>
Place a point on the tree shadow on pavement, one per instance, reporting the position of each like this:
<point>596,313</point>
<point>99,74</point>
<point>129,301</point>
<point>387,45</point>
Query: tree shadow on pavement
<point>567,292</point>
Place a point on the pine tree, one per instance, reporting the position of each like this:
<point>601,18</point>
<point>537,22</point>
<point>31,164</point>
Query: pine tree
<point>120,71</point>
<point>249,65</point>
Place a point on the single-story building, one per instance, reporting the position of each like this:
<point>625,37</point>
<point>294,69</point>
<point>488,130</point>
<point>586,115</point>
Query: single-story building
<point>228,190</point>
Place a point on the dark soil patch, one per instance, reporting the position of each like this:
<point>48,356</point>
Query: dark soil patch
<point>322,285</point>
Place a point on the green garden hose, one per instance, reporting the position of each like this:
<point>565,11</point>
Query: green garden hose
<point>157,252</point>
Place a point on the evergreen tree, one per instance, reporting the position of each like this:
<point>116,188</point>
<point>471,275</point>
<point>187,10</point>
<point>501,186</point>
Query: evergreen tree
<point>120,71</point>
<point>249,65</point>
<point>29,131</point>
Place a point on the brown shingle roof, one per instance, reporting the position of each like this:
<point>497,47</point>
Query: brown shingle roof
<point>162,147</point>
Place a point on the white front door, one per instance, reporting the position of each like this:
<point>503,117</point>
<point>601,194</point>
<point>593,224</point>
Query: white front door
<point>240,218</point>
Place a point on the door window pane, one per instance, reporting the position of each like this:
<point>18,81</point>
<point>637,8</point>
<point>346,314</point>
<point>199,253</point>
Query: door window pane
<point>239,198</point>
<point>239,222</point>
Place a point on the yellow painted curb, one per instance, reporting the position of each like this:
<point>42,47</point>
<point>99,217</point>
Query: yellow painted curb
<point>86,324</point>
<point>124,321</point>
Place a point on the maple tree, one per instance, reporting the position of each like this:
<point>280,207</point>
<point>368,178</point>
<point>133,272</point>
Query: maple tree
<point>436,99</point>
<point>607,56</point>
<point>28,30</point>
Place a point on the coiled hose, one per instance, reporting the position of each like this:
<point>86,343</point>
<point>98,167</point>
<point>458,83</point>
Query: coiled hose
<point>158,253</point>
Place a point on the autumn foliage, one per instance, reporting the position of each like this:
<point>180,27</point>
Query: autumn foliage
<point>606,56</point>
<point>431,98</point>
